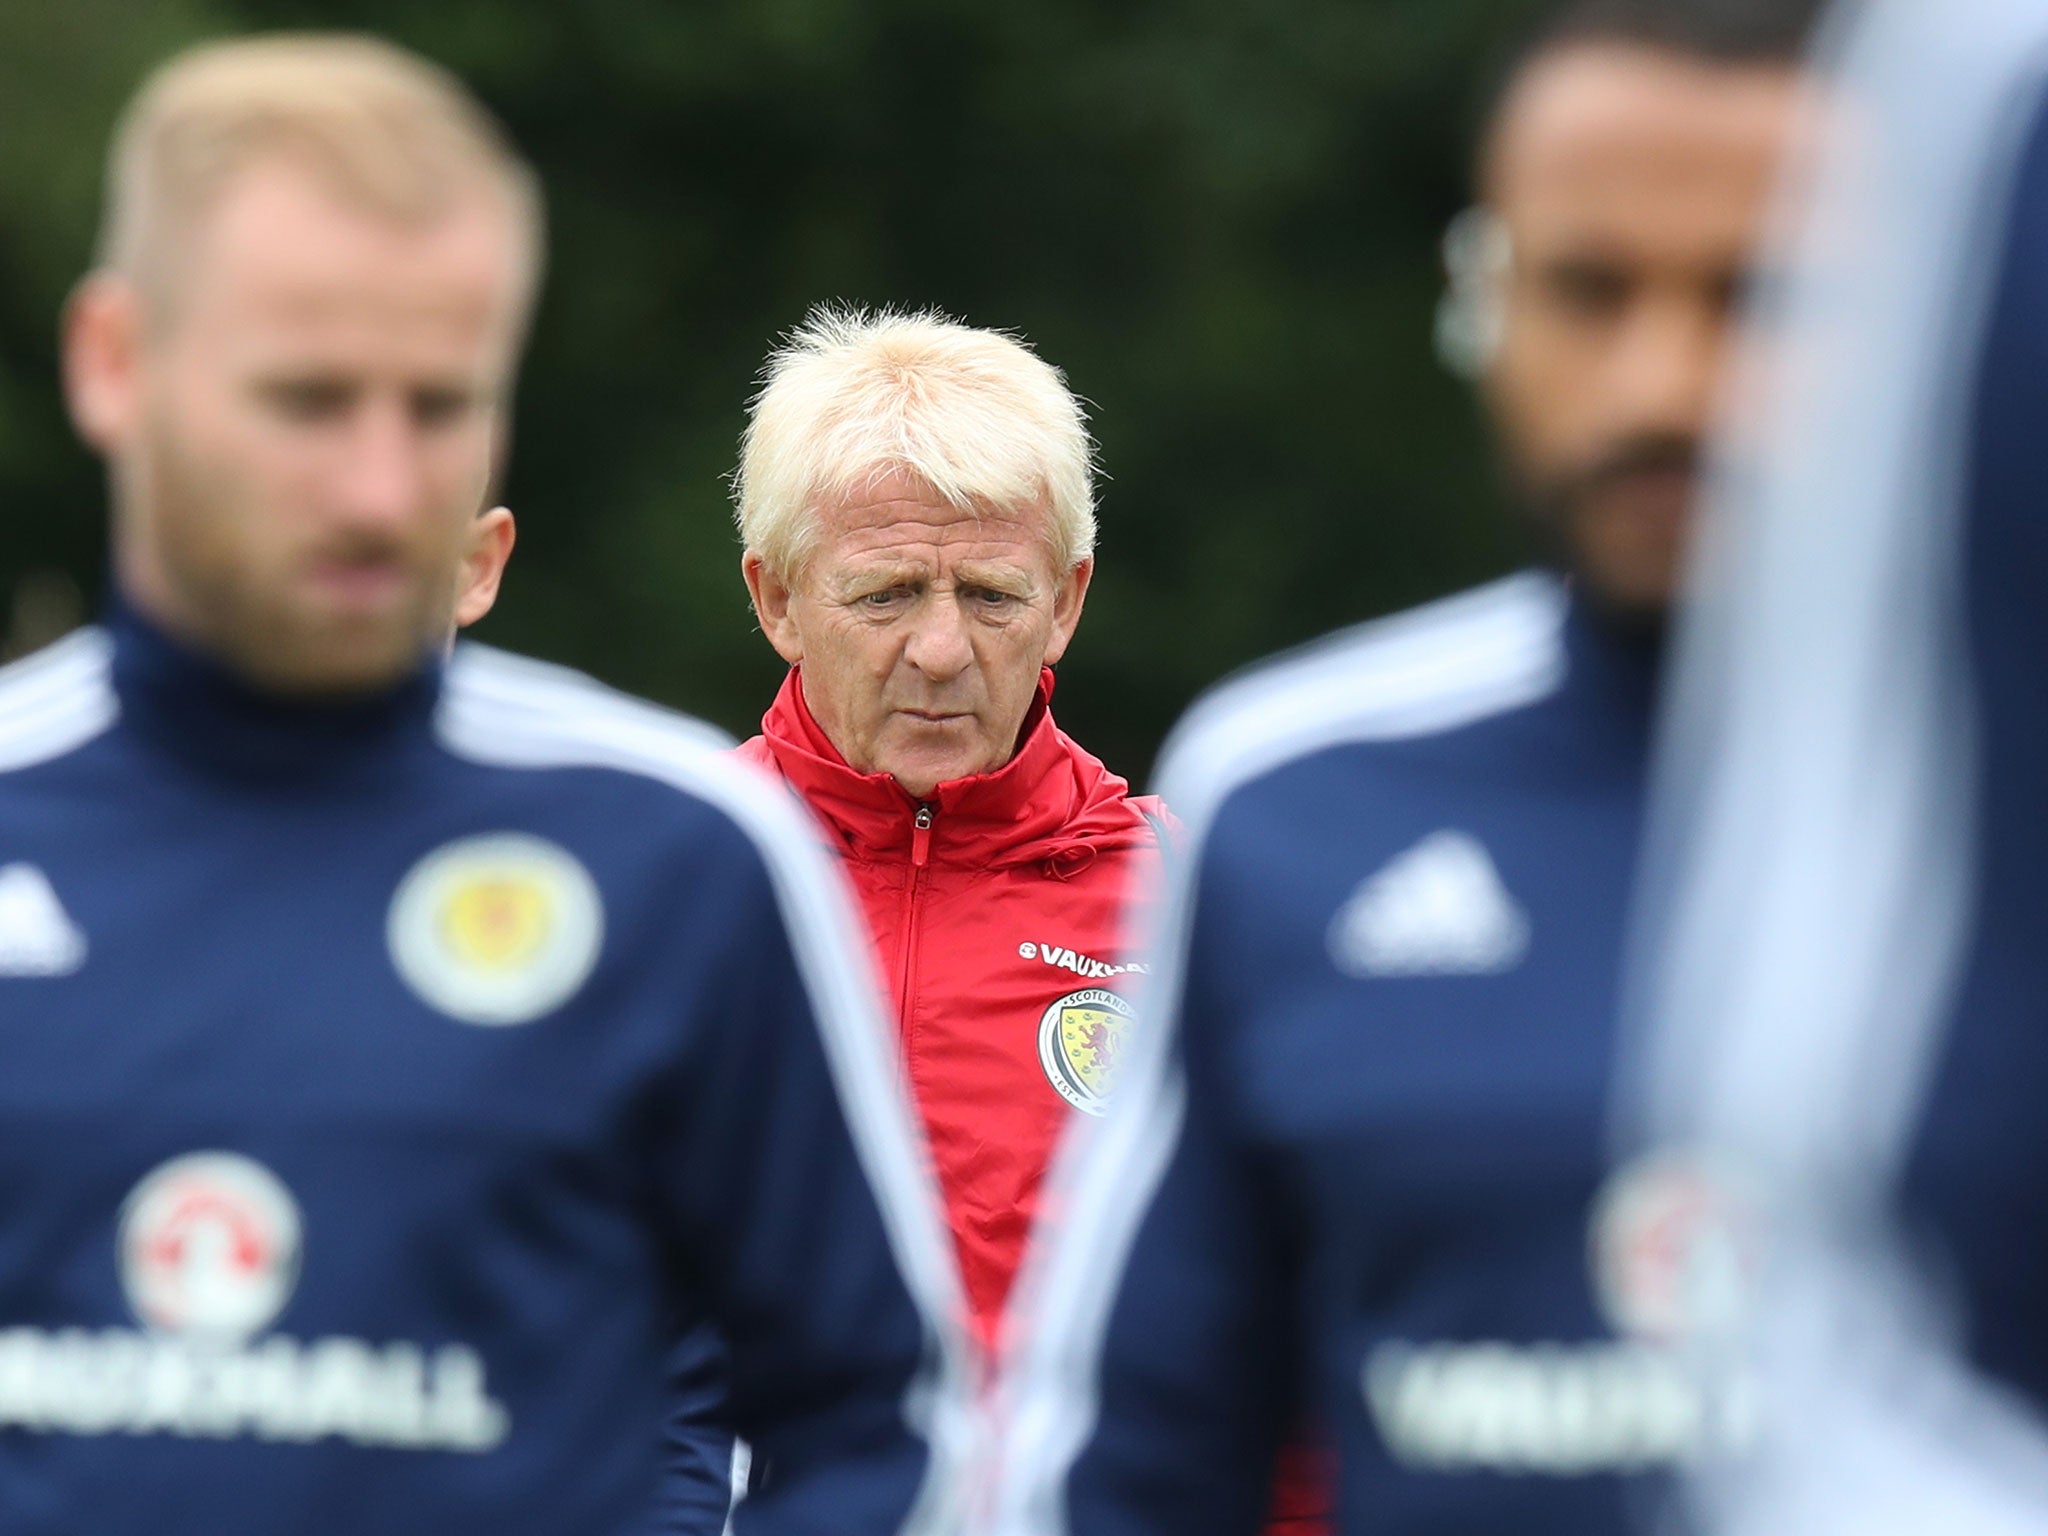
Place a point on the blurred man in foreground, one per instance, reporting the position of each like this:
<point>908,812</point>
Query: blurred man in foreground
<point>1366,1171</point>
<point>1847,977</point>
<point>917,503</point>
<point>399,1046</point>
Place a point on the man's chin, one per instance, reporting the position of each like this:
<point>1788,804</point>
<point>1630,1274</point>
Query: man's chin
<point>1627,570</point>
<point>1621,537</point>
<point>920,773</point>
<point>316,662</point>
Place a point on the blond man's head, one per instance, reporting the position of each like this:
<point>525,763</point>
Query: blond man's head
<point>297,352</point>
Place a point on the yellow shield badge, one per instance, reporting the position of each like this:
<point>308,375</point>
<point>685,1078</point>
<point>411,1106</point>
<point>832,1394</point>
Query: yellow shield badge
<point>1079,1038</point>
<point>498,929</point>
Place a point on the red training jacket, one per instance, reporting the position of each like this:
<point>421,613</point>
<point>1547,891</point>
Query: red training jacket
<point>997,911</point>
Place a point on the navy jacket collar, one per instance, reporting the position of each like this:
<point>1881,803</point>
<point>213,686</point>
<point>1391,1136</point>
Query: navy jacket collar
<point>193,706</point>
<point>1616,664</point>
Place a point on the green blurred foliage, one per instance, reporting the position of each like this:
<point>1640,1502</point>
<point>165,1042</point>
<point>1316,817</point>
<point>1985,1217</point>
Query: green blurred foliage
<point>1219,218</point>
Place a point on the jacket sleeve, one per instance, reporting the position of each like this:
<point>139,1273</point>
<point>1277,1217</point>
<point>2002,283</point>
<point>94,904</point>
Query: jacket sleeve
<point>804,1217</point>
<point>697,1440</point>
<point>1152,1376</point>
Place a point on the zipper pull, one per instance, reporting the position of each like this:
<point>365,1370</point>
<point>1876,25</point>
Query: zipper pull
<point>921,837</point>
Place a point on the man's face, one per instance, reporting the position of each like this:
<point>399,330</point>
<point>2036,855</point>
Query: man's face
<point>304,431</point>
<point>1632,185</point>
<point>921,629</point>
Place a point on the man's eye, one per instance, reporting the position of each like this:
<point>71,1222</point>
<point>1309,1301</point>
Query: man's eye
<point>308,400</point>
<point>440,407</point>
<point>1588,289</point>
<point>989,597</point>
<point>884,599</point>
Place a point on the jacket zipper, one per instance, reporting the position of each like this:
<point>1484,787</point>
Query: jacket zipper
<point>921,837</point>
<point>920,855</point>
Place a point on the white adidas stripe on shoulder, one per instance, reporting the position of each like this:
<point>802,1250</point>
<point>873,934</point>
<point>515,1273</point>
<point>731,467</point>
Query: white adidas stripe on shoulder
<point>1435,668</point>
<point>512,712</point>
<point>57,699</point>
<point>541,689</point>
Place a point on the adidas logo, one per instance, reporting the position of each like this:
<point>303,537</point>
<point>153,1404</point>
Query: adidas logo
<point>37,937</point>
<point>1437,910</point>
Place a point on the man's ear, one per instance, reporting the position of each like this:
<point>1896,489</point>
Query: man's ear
<point>1066,608</point>
<point>772,597</point>
<point>490,546</point>
<point>102,343</point>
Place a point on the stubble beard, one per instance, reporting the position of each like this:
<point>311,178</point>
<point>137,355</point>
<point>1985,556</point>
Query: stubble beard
<point>222,598</point>
<point>1555,512</point>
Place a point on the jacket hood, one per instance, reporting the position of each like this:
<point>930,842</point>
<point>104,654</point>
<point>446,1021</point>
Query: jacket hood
<point>1052,801</point>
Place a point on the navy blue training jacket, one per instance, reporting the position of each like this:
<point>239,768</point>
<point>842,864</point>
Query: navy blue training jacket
<point>385,1089</point>
<point>1366,1176</point>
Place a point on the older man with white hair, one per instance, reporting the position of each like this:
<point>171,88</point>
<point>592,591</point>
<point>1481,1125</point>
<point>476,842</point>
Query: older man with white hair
<point>916,501</point>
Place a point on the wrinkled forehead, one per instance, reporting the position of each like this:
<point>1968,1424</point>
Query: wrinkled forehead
<point>1637,147</point>
<point>891,510</point>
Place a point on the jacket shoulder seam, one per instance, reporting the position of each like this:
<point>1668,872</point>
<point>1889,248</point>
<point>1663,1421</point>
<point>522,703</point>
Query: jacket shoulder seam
<point>1426,672</point>
<point>56,700</point>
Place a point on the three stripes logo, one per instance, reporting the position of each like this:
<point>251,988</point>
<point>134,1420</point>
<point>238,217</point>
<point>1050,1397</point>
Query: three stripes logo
<point>37,936</point>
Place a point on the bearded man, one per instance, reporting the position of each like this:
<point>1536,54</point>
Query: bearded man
<point>1371,1173</point>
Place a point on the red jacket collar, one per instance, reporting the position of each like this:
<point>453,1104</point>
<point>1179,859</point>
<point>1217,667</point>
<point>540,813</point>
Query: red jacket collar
<point>1052,800</point>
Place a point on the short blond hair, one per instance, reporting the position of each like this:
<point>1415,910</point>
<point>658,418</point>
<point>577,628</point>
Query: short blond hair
<point>383,127</point>
<point>852,395</point>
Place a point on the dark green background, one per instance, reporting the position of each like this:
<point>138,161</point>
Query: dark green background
<point>1219,216</point>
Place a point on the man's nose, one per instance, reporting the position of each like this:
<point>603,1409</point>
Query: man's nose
<point>938,645</point>
<point>1665,369</point>
<point>382,473</point>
